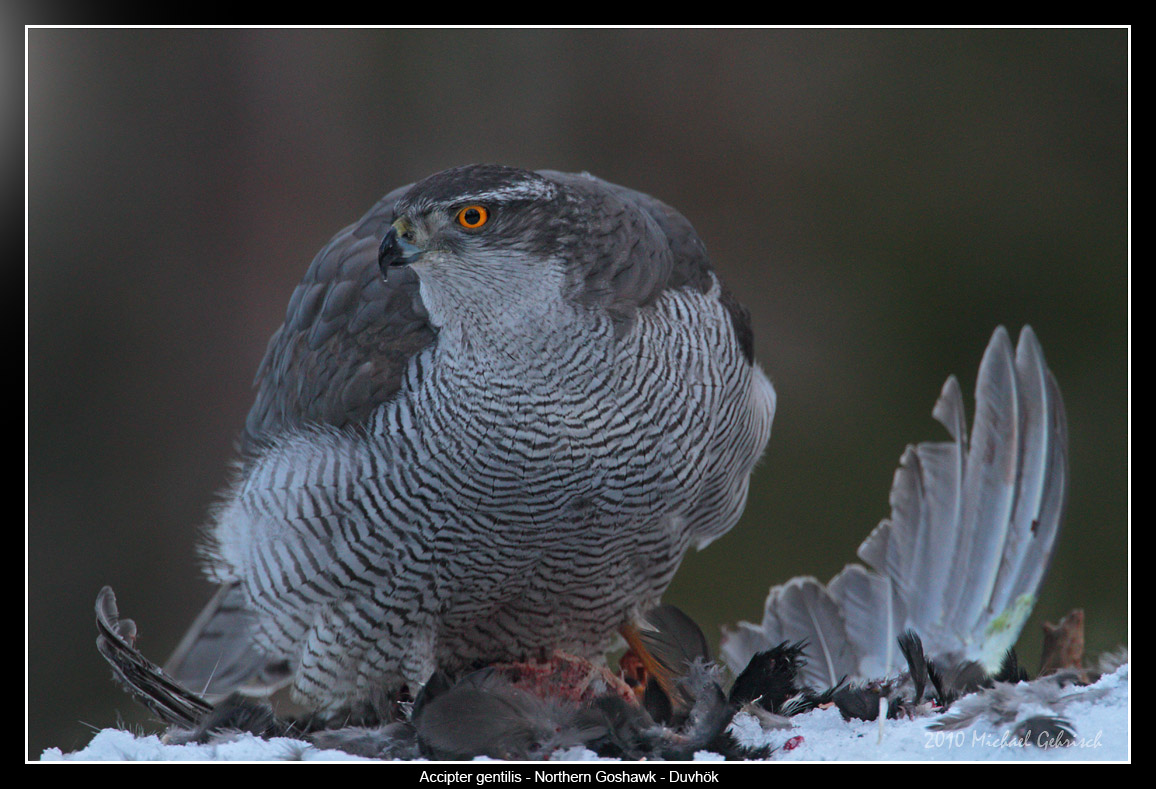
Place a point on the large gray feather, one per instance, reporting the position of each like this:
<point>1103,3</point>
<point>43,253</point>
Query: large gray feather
<point>972,529</point>
<point>218,655</point>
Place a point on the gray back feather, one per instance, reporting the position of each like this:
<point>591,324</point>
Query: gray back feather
<point>347,338</point>
<point>640,248</point>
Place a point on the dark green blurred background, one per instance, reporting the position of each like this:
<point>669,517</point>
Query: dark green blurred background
<point>880,199</point>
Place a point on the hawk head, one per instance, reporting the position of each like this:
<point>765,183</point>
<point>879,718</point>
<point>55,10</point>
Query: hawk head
<point>482,239</point>
<point>489,241</point>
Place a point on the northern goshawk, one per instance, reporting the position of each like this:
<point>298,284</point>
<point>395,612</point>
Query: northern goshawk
<point>502,406</point>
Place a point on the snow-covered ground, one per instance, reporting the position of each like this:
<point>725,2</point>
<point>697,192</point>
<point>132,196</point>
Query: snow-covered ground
<point>1100,722</point>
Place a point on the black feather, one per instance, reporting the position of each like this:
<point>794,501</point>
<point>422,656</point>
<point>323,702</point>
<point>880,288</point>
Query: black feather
<point>912,648</point>
<point>1010,669</point>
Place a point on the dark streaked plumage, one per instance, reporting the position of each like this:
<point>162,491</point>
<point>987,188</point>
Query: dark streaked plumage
<point>470,444</point>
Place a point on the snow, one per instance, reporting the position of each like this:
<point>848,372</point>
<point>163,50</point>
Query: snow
<point>1101,726</point>
<point>116,745</point>
<point>1100,722</point>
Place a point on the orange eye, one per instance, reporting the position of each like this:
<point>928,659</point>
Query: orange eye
<point>473,216</point>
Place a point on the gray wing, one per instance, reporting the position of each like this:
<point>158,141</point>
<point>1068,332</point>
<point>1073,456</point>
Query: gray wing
<point>347,338</point>
<point>642,247</point>
<point>972,529</point>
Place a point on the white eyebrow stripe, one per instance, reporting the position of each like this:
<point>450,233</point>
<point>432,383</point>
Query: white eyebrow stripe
<point>534,190</point>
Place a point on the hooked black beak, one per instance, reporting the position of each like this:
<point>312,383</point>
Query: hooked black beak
<point>395,251</point>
